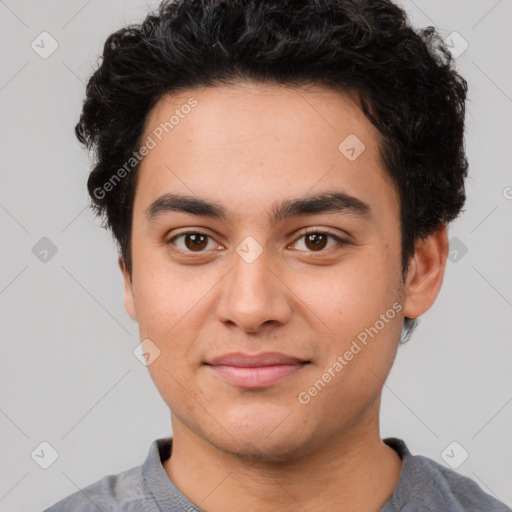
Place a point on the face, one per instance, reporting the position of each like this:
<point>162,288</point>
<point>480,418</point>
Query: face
<point>266,266</point>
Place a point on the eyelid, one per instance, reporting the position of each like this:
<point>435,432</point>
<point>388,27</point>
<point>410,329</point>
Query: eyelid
<point>299,235</point>
<point>190,231</point>
<point>323,231</point>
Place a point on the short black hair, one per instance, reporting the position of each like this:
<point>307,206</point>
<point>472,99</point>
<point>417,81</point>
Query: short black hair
<point>405,81</point>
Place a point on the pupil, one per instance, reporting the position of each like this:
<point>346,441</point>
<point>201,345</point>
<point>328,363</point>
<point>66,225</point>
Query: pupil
<point>198,241</point>
<point>316,239</point>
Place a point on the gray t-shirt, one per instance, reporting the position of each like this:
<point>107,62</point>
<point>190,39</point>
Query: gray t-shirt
<point>424,485</point>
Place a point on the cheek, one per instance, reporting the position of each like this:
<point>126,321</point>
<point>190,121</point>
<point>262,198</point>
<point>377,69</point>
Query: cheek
<point>162,294</point>
<point>359,303</point>
<point>352,295</point>
<point>172,305</point>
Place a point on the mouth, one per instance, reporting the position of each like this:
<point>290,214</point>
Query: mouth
<point>255,371</point>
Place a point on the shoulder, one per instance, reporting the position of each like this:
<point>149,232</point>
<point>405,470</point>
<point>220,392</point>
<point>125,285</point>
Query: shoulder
<point>123,491</point>
<point>127,491</point>
<point>428,486</point>
<point>458,489</point>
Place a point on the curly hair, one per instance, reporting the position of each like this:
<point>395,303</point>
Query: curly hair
<point>404,79</point>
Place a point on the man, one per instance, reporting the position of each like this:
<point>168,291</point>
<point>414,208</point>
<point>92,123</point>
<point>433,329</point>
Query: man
<point>279,177</point>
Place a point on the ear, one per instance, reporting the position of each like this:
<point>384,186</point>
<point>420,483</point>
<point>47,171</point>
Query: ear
<point>129,302</point>
<point>425,273</point>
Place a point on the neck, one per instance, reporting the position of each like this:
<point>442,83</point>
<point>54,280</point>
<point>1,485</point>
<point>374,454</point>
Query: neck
<point>351,471</point>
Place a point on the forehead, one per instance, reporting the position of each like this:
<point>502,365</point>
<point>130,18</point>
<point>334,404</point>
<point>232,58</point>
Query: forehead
<point>265,142</point>
<point>250,115</point>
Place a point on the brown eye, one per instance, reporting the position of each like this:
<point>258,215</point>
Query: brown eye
<point>317,241</point>
<point>195,241</point>
<point>190,241</point>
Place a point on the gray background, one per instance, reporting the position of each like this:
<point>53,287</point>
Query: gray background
<point>68,374</point>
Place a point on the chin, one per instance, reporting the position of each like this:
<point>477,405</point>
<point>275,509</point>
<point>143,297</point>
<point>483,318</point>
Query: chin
<point>264,441</point>
<point>279,450</point>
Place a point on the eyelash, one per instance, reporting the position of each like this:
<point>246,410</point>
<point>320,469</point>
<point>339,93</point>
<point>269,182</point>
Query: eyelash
<point>339,240</point>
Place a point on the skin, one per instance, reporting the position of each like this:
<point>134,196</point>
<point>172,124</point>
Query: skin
<point>248,147</point>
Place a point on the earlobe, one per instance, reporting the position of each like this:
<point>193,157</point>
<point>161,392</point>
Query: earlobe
<point>425,273</point>
<point>129,301</point>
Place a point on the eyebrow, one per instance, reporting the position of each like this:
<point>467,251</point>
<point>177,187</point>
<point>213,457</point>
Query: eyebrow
<point>327,202</point>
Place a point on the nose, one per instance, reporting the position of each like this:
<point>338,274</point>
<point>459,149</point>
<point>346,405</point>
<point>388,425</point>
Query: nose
<point>254,296</point>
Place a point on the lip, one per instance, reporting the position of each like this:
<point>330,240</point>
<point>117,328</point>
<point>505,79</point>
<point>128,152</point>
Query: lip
<point>255,370</point>
<point>243,360</point>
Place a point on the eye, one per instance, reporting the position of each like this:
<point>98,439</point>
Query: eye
<point>195,241</point>
<point>316,241</point>
<point>191,241</point>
